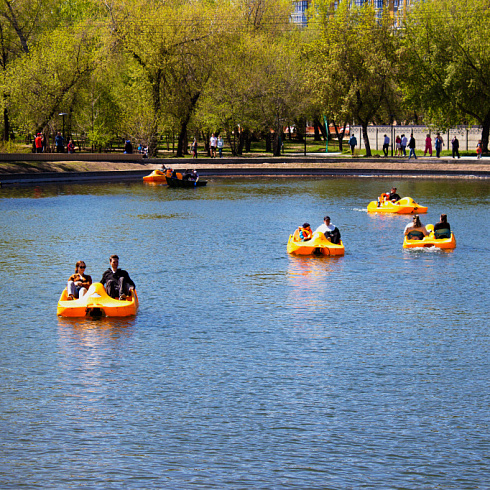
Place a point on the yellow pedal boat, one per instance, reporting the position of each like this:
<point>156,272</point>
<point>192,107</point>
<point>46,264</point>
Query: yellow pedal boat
<point>405,205</point>
<point>97,303</point>
<point>430,241</point>
<point>158,176</point>
<point>317,245</point>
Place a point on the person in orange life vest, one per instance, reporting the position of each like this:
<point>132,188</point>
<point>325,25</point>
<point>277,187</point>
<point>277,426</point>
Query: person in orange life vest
<point>305,232</point>
<point>79,282</point>
<point>39,143</point>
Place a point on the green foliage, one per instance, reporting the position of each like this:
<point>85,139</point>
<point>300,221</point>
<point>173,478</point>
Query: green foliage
<point>351,65</point>
<point>445,56</point>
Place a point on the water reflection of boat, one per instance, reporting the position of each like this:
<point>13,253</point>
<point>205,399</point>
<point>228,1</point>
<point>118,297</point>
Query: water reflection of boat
<point>431,240</point>
<point>317,245</point>
<point>157,176</point>
<point>174,182</point>
<point>406,205</point>
<point>97,303</point>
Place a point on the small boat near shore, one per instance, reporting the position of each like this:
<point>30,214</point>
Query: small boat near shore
<point>187,183</point>
<point>317,245</point>
<point>97,303</point>
<point>431,240</point>
<point>405,205</point>
<point>157,176</point>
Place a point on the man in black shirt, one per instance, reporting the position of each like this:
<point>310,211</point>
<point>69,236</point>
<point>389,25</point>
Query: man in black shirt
<point>117,282</point>
<point>393,195</point>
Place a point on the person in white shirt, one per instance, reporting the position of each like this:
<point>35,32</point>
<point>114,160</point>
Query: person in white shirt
<point>404,145</point>
<point>213,141</point>
<point>416,230</point>
<point>330,231</point>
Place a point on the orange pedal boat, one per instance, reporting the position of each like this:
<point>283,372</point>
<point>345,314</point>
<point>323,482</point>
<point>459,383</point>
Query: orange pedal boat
<point>405,205</point>
<point>317,245</point>
<point>97,303</point>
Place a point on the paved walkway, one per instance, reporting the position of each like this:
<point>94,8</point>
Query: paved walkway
<point>295,165</point>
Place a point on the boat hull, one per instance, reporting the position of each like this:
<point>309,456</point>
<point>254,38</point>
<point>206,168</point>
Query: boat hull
<point>431,241</point>
<point>172,182</point>
<point>318,245</point>
<point>156,176</point>
<point>405,205</point>
<point>97,303</point>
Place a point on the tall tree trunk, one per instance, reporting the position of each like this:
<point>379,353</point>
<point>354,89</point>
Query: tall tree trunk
<point>340,136</point>
<point>232,142</point>
<point>248,141</point>
<point>268,142</point>
<point>241,142</point>
<point>6,124</point>
<point>485,133</point>
<point>365,138</point>
<point>318,127</point>
<point>276,144</point>
<point>182,138</point>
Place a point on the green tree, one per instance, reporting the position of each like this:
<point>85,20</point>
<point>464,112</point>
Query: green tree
<point>351,64</point>
<point>257,86</point>
<point>176,46</point>
<point>45,81</point>
<point>446,62</point>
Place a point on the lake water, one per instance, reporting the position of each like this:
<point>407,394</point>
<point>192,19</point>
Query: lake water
<point>245,367</point>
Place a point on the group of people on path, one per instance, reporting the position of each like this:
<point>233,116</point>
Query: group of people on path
<point>402,143</point>
<point>215,143</point>
<point>59,142</point>
<point>116,282</point>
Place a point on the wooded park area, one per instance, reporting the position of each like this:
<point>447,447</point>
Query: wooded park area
<point>146,68</point>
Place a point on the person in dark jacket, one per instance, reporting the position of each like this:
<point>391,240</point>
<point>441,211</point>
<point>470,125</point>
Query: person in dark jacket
<point>117,282</point>
<point>393,195</point>
<point>455,144</point>
<point>442,229</point>
<point>411,145</point>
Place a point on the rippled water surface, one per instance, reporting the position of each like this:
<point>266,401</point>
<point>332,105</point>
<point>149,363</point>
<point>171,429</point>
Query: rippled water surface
<point>245,367</point>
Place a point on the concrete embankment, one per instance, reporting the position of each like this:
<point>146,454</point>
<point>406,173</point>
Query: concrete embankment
<point>33,172</point>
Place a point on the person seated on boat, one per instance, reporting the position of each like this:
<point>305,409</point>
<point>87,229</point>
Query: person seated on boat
<point>187,175</point>
<point>442,229</point>
<point>416,230</point>
<point>117,282</point>
<point>305,232</point>
<point>393,196</point>
<point>195,176</point>
<point>79,282</point>
<point>330,231</point>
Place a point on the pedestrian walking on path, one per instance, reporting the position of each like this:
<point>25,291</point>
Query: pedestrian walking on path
<point>455,144</point>
<point>411,145</point>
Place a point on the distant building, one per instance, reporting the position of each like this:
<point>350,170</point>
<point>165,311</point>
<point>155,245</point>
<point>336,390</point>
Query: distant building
<point>396,8</point>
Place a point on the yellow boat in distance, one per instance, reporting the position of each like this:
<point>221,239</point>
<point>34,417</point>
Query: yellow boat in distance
<point>432,240</point>
<point>405,205</point>
<point>317,245</point>
<point>157,176</point>
<point>97,303</point>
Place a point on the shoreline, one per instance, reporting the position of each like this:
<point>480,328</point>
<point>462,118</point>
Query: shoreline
<point>32,173</point>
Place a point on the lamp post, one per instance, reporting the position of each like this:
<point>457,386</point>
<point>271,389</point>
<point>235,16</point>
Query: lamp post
<point>63,114</point>
<point>392,132</point>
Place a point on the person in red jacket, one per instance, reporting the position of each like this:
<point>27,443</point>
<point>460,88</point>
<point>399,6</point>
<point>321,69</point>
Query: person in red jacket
<point>38,141</point>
